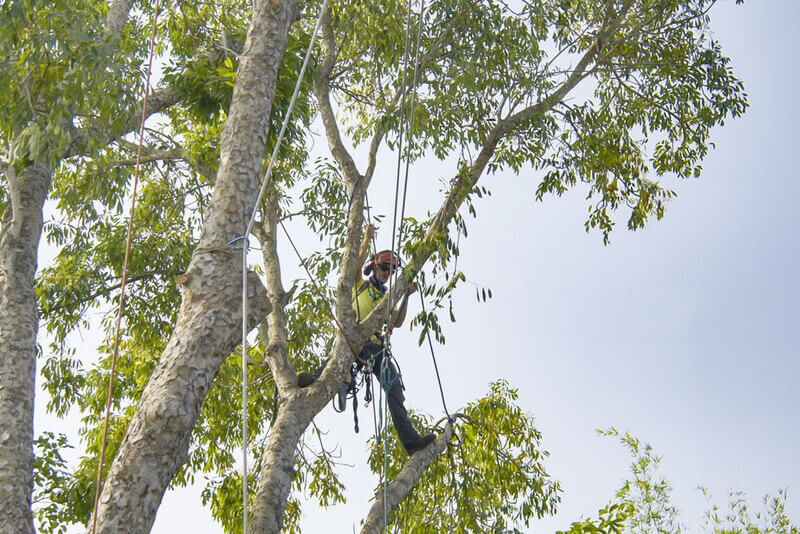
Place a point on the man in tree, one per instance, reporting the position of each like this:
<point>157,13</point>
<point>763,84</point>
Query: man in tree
<point>496,90</point>
<point>366,294</point>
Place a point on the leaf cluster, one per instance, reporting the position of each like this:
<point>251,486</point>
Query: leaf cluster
<point>63,71</point>
<point>647,493</point>
<point>492,477</point>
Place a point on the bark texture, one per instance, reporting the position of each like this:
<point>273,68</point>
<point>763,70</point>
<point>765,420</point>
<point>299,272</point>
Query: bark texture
<point>298,407</point>
<point>19,242</point>
<point>277,465</point>
<point>404,482</point>
<point>117,16</point>
<point>209,323</point>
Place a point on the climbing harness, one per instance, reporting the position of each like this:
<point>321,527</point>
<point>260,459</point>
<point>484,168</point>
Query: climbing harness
<point>350,390</point>
<point>128,239</point>
<point>361,376</point>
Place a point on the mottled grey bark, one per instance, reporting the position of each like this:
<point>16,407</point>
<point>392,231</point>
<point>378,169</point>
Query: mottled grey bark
<point>277,463</point>
<point>19,242</point>
<point>117,16</point>
<point>404,482</point>
<point>209,323</point>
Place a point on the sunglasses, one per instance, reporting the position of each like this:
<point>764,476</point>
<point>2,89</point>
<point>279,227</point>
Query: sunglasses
<point>385,267</point>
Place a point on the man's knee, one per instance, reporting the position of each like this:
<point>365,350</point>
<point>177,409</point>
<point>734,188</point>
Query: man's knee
<point>396,391</point>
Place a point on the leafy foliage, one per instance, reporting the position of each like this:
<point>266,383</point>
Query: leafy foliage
<point>647,494</point>
<point>660,83</point>
<point>491,479</point>
<point>644,110</point>
<point>611,520</point>
<point>643,503</point>
<point>48,49</point>
<point>740,519</point>
<point>51,476</point>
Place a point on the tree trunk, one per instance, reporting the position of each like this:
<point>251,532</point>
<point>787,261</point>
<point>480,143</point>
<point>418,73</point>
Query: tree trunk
<point>277,464</point>
<point>209,323</point>
<point>298,408</point>
<point>19,321</point>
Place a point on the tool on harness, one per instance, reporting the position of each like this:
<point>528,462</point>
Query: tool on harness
<point>389,374</point>
<point>350,390</point>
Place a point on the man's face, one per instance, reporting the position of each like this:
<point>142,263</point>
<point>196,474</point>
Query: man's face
<point>383,272</point>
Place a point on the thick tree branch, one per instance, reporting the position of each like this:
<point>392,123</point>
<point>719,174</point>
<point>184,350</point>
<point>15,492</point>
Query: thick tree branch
<point>151,156</point>
<point>178,153</point>
<point>19,241</point>
<point>105,290</point>
<point>322,91</point>
<point>209,324</point>
<point>404,482</point>
<point>282,369</point>
<point>355,184</point>
<point>117,17</point>
<point>159,101</point>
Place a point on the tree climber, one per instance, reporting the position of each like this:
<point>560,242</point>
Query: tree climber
<point>366,295</point>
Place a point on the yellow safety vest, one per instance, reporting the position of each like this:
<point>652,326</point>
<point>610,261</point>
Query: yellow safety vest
<point>365,298</point>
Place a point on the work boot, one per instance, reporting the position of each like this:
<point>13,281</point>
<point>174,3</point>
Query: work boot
<point>420,443</point>
<point>305,379</point>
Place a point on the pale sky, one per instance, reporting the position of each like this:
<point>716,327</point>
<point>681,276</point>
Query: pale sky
<point>684,333</point>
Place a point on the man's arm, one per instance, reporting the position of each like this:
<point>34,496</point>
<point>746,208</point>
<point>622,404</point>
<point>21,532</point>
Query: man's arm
<point>400,314</point>
<point>364,250</point>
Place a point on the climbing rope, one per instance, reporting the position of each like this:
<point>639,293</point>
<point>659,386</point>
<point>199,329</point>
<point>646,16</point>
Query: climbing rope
<point>435,366</point>
<point>399,162</point>
<point>411,127</point>
<point>385,393</point>
<point>128,239</point>
<point>387,342</point>
<point>405,191</point>
<point>375,421</point>
<point>264,183</point>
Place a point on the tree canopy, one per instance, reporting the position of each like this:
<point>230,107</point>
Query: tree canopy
<point>618,98</point>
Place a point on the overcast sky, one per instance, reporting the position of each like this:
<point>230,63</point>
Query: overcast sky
<point>685,333</point>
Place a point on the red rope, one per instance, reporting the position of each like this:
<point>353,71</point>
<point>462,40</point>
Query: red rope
<point>124,274</point>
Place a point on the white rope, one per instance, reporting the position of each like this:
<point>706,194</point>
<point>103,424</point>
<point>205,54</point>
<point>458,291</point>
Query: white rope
<point>264,182</point>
